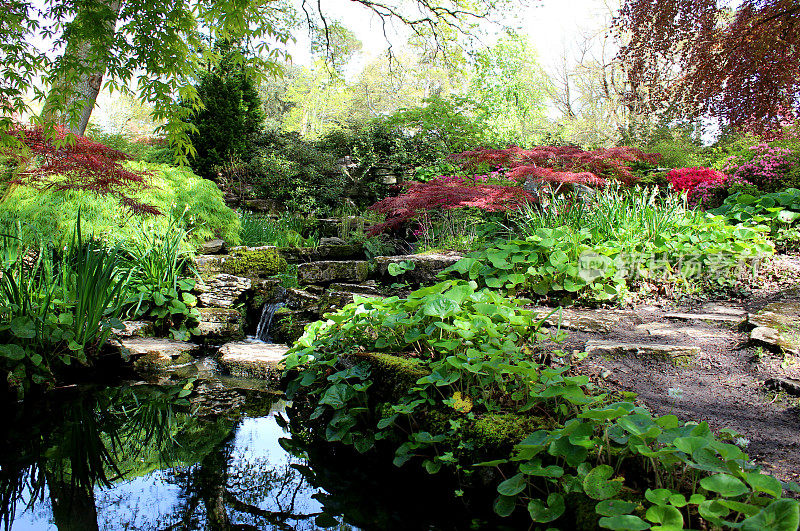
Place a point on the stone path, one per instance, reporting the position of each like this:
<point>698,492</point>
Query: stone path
<point>701,364</point>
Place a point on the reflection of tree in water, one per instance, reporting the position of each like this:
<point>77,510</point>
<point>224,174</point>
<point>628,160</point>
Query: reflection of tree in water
<point>109,436</point>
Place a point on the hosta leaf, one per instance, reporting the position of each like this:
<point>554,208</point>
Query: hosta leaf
<point>614,507</point>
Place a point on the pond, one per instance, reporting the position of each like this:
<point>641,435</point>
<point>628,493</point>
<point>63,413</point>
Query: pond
<point>195,455</point>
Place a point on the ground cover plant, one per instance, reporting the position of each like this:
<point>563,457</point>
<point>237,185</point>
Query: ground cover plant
<point>451,378</point>
<point>618,242</point>
<point>58,306</point>
<point>779,211</point>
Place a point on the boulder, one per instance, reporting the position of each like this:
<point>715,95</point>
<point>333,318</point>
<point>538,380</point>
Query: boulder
<point>212,247</point>
<point>324,251</point>
<point>328,271</point>
<point>250,359</point>
<point>777,325</point>
<point>301,300</point>
<point>158,354</point>
<point>223,324</point>
<point>673,353</point>
<point>263,261</point>
<point>425,268</point>
<point>262,205</point>
<point>222,290</point>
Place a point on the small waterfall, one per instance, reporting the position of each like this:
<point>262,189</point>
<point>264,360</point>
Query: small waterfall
<point>267,313</point>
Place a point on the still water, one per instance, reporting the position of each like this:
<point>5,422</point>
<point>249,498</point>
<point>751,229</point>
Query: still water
<point>188,456</point>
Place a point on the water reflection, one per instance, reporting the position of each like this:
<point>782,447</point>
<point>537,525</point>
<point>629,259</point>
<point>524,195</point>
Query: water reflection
<point>141,458</point>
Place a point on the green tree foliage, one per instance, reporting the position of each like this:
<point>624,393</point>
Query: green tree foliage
<point>231,116</point>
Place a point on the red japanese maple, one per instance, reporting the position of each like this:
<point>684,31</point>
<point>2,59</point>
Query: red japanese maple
<point>434,195</point>
<point>56,162</point>
<point>568,164</point>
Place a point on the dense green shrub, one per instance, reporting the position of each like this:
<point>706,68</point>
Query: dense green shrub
<point>428,375</point>
<point>285,231</point>
<point>231,117</point>
<point>150,149</point>
<point>296,173</point>
<point>178,193</point>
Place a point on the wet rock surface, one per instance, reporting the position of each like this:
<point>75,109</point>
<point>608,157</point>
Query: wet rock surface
<point>250,359</point>
<point>223,324</point>
<point>151,354</point>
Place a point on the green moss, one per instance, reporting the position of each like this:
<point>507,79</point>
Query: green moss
<point>264,262</point>
<point>501,429</point>
<point>392,375</point>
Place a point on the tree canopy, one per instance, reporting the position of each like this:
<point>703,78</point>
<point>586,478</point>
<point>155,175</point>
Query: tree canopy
<point>740,64</point>
<point>152,46</point>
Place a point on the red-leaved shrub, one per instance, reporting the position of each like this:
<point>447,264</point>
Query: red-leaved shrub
<point>568,164</point>
<point>433,195</point>
<point>58,163</point>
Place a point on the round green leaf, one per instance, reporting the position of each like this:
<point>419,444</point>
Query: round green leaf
<point>725,484</point>
<point>512,486</point>
<point>597,486</point>
<point>624,523</point>
<point>780,515</point>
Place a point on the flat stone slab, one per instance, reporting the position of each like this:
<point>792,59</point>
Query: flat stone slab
<point>154,353</point>
<point>674,353</point>
<point>733,319</point>
<point>328,271</point>
<point>671,331</point>
<point>251,359</point>
<point>777,325</point>
<point>596,321</point>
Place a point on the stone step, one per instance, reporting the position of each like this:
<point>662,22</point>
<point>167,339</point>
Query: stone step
<point>222,290</point>
<point>220,323</point>
<point>426,266</point>
<point>671,331</point>
<point>777,325</point>
<point>135,329</point>
<point>156,354</point>
<point>594,321</point>
<point>251,359</point>
<point>732,319</point>
<point>678,354</point>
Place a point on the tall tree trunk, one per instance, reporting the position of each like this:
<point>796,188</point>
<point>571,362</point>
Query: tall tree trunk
<point>74,91</point>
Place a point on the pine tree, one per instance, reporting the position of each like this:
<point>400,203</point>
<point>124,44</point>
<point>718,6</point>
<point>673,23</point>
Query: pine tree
<point>229,123</point>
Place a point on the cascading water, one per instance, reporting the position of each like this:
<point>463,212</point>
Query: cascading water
<point>267,313</point>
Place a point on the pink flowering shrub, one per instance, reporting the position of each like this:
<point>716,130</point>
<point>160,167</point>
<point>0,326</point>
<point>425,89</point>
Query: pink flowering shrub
<point>769,168</point>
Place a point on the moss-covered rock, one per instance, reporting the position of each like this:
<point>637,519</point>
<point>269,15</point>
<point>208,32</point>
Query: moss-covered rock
<point>253,262</point>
